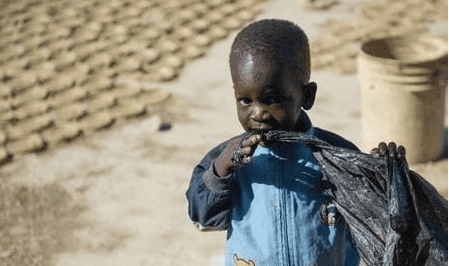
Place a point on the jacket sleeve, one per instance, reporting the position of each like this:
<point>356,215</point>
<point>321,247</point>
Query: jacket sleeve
<point>209,196</point>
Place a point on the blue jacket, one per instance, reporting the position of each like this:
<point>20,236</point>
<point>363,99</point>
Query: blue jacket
<point>275,209</point>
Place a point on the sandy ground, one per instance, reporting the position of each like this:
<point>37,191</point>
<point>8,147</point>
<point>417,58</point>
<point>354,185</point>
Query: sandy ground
<point>133,177</point>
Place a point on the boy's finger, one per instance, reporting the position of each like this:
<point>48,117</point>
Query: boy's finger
<point>251,141</point>
<point>375,152</point>
<point>246,150</point>
<point>247,159</point>
<point>401,152</point>
<point>392,151</point>
<point>383,148</point>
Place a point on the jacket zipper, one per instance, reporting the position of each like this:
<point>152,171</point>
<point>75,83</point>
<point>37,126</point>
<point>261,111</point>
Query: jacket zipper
<point>284,222</point>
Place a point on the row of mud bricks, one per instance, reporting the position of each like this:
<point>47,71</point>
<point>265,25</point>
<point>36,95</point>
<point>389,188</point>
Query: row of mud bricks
<point>338,44</point>
<point>68,68</point>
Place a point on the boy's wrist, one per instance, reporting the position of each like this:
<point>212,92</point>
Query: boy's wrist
<point>219,172</point>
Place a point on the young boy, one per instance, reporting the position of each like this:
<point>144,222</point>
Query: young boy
<point>273,207</point>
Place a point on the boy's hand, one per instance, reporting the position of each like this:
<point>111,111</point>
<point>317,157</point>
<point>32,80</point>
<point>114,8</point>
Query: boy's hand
<point>225,163</point>
<point>391,150</point>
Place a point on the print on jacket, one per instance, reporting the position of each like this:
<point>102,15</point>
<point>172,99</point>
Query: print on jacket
<point>329,214</point>
<point>240,262</point>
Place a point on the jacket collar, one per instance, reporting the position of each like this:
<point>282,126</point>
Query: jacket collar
<point>305,124</point>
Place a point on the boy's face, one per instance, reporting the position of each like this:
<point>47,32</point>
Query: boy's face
<point>268,97</point>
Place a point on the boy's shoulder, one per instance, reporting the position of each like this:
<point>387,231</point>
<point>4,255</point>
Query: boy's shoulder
<point>334,139</point>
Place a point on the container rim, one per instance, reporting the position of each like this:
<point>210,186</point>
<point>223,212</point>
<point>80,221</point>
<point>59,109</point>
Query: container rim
<point>439,55</point>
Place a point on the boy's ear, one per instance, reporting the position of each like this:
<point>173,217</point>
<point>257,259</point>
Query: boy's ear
<point>309,93</point>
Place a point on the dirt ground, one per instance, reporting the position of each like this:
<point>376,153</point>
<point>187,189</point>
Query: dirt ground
<point>132,177</point>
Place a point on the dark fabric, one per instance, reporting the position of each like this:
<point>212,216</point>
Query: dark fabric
<point>396,217</point>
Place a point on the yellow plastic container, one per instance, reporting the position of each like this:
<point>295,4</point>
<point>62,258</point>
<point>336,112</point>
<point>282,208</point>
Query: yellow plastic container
<point>404,80</point>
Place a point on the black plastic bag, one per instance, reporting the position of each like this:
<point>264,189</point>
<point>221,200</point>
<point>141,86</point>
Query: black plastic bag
<point>396,217</point>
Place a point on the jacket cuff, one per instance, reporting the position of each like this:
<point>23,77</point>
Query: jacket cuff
<point>217,184</point>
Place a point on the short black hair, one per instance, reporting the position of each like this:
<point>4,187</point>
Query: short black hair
<point>278,40</point>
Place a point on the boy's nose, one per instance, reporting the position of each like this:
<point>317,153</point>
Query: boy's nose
<point>259,113</point>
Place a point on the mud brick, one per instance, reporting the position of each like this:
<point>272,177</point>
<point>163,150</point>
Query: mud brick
<point>149,56</point>
<point>22,82</point>
<point>199,25</point>
<point>214,16</point>
<point>144,4</point>
<point>183,33</point>
<point>3,137</point>
<point>216,33</point>
<point>40,17</point>
<point>15,50</point>
<point>128,108</point>
<point>245,15</point>
<point>68,112</point>
<point>184,16</point>
<point>98,84</point>
<point>215,3</point>
<point>76,73</point>
<point>6,117</point>
<point>5,156</point>
<point>123,49</point>
<point>32,143</point>
<point>36,93</point>
<point>167,46</point>
<point>153,96</point>
<point>115,39</point>
<point>96,121</point>
<point>126,91</point>
<point>28,126</point>
<point>100,102</point>
<point>94,26</point>
<point>34,41</point>
<point>131,12</point>
<point>174,61</point>
<point>101,45</point>
<point>246,4</point>
<point>170,6</point>
<point>65,60</point>
<point>84,51</point>
<point>30,109</point>
<point>228,9</point>
<point>60,83</point>
<point>8,71</point>
<point>84,36</point>
<point>99,60</point>
<point>118,29</point>
<point>116,4</point>
<point>128,64</point>
<point>5,104</point>
<point>202,40</point>
<point>231,23</point>
<point>61,46</point>
<point>150,33</point>
<point>63,132</point>
<point>44,72</point>
<point>5,91</point>
<point>199,9</point>
<point>166,73</point>
<point>58,33</point>
<point>192,52</point>
<point>38,29</point>
<point>40,55</point>
<point>71,95</point>
<point>84,71</point>
<point>18,65</point>
<point>73,23</point>
<point>165,26</point>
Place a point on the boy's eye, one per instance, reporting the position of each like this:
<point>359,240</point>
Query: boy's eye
<point>276,99</point>
<point>245,101</point>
